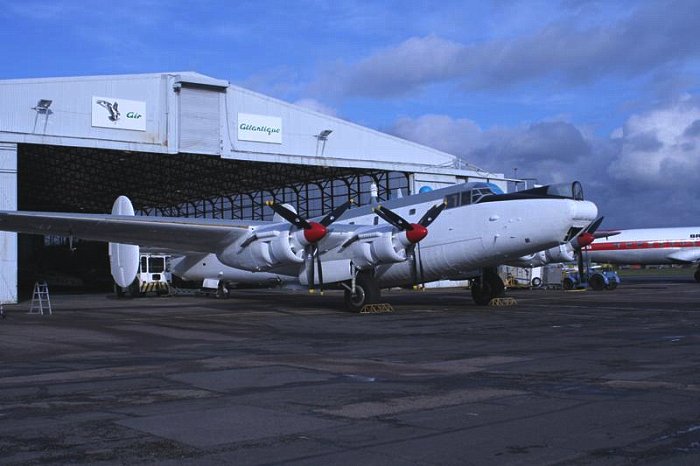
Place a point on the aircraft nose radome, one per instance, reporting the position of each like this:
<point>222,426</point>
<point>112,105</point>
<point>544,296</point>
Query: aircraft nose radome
<point>583,212</point>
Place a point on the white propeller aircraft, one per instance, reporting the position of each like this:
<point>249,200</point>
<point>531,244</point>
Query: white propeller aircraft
<point>473,228</point>
<point>649,246</point>
<point>643,246</point>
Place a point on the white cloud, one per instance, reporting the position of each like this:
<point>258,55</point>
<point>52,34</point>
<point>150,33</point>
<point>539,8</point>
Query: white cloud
<point>657,147</point>
<point>315,105</point>
<point>655,36</point>
<point>644,174</point>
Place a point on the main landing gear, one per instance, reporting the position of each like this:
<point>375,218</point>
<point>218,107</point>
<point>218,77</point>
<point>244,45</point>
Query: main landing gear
<point>697,274</point>
<point>361,290</point>
<point>487,287</point>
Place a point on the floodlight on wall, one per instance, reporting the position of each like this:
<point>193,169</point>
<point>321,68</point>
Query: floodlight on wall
<point>321,139</point>
<point>43,106</point>
<point>323,135</point>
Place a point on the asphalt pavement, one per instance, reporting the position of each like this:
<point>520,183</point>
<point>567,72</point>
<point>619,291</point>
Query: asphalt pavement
<point>271,377</point>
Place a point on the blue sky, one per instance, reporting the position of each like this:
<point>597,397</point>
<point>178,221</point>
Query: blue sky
<point>601,91</point>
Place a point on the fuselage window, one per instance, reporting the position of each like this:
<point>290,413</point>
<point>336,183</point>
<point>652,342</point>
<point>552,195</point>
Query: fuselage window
<point>376,220</point>
<point>452,201</point>
<point>412,212</point>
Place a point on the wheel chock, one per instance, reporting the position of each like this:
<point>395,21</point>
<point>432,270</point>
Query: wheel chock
<point>376,308</point>
<point>503,302</point>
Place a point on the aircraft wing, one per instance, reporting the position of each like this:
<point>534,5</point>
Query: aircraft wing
<point>181,234</point>
<point>686,256</point>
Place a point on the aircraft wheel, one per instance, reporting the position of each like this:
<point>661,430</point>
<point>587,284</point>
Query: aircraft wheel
<point>567,284</point>
<point>366,292</point>
<point>487,287</point>
<point>119,291</point>
<point>612,284</point>
<point>482,292</point>
<point>536,282</point>
<point>596,282</point>
<point>697,275</point>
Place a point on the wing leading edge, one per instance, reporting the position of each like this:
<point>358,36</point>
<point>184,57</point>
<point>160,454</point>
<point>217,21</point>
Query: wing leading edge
<point>181,234</point>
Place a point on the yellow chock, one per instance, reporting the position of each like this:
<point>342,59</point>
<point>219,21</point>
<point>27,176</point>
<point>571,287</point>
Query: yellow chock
<point>376,308</point>
<point>503,302</point>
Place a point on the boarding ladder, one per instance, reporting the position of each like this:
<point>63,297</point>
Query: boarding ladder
<point>41,303</point>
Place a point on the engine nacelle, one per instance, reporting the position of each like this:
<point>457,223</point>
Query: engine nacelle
<point>537,259</point>
<point>269,249</point>
<point>378,247</point>
<point>557,254</point>
<point>561,253</point>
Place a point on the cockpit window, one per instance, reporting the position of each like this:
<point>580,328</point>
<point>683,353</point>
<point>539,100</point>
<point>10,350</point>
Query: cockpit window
<point>452,201</point>
<point>570,190</point>
<point>471,196</point>
<point>479,193</point>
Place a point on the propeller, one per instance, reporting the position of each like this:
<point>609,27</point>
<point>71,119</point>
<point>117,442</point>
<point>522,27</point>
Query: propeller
<point>313,233</point>
<point>587,235</point>
<point>415,232</point>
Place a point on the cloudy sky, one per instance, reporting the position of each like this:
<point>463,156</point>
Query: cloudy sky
<point>601,91</point>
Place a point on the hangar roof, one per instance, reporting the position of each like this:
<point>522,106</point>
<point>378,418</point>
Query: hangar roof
<point>188,112</point>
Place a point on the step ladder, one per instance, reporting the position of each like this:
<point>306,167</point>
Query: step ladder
<point>41,303</point>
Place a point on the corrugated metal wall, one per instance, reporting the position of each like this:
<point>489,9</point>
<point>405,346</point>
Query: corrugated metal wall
<point>200,121</point>
<point>8,241</point>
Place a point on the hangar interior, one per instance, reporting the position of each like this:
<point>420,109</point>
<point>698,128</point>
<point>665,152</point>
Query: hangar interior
<point>182,144</point>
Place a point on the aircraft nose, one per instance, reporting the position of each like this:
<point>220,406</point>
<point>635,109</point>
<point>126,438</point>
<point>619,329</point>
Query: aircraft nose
<point>583,212</point>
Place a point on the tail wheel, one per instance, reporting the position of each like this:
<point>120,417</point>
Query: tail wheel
<point>366,292</point>
<point>597,282</point>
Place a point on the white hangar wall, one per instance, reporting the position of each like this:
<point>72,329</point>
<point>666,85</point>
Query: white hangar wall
<point>191,113</point>
<point>8,241</point>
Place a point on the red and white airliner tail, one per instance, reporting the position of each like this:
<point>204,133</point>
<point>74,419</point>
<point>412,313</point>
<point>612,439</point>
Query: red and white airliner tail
<point>649,246</point>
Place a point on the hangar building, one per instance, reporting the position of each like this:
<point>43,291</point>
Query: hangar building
<point>187,144</point>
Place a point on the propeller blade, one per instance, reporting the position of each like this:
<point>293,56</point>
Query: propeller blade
<point>393,218</point>
<point>337,213</point>
<point>320,271</point>
<point>309,259</point>
<point>432,213</point>
<point>420,266</point>
<point>595,224</point>
<point>414,265</point>
<point>289,215</point>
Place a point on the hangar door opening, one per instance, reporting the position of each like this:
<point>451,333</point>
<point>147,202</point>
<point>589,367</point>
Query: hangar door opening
<point>74,179</point>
